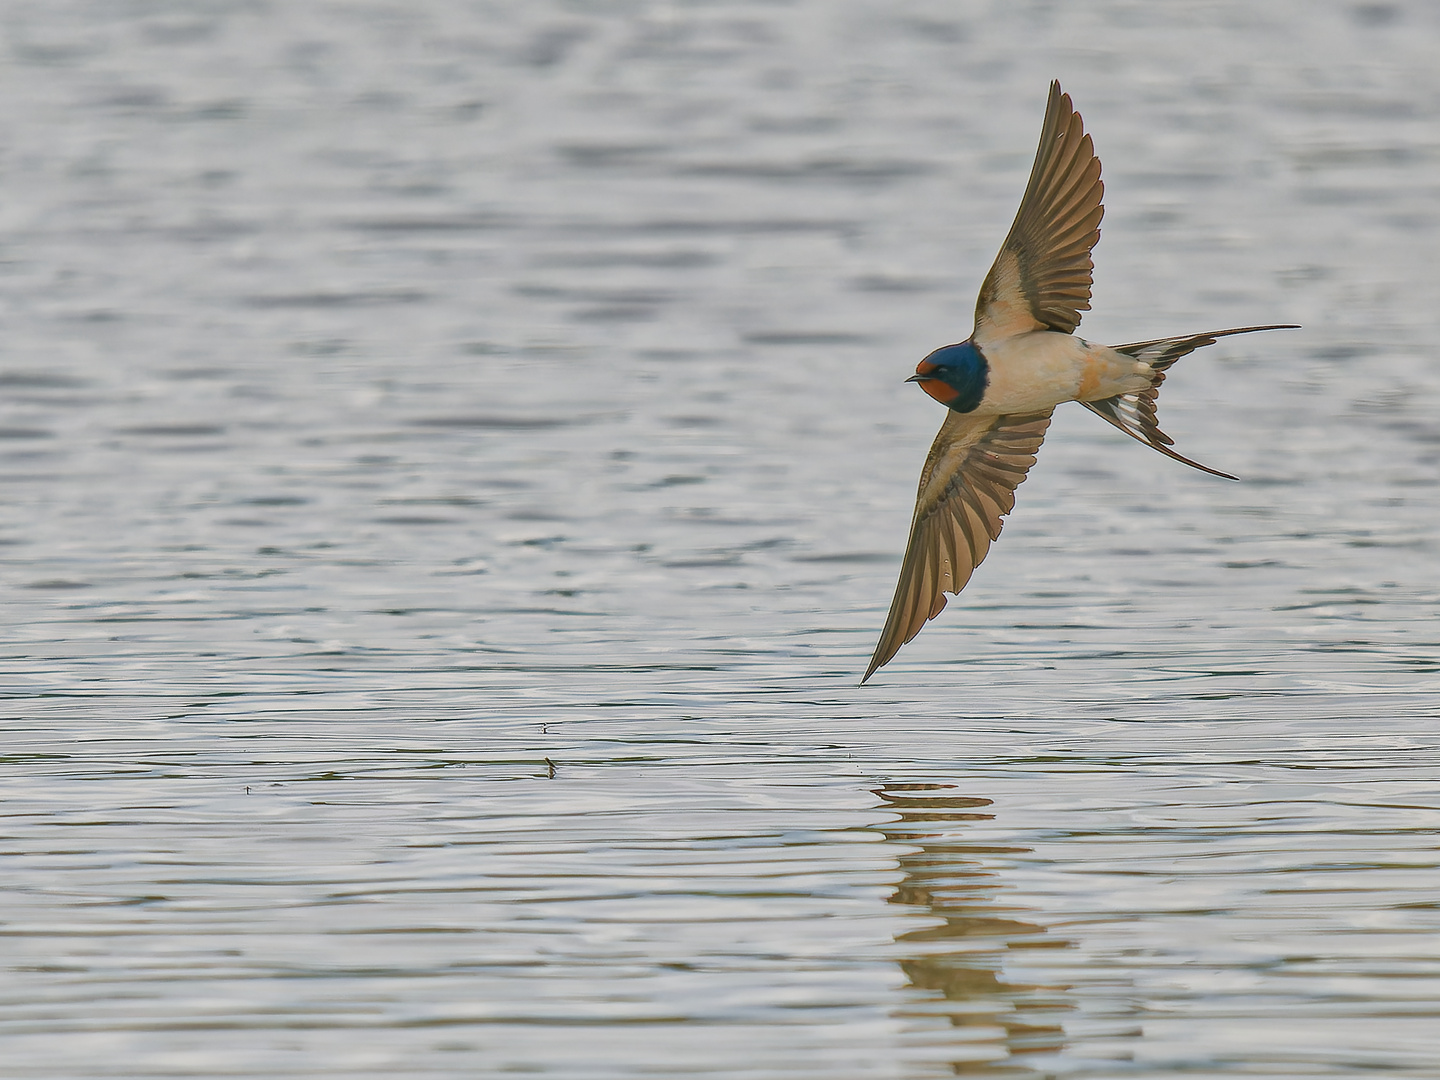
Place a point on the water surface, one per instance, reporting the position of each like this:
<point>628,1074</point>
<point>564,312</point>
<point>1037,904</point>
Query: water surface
<point>454,464</point>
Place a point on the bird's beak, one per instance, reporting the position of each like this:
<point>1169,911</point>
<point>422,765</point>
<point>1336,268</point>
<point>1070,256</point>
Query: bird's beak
<point>917,378</point>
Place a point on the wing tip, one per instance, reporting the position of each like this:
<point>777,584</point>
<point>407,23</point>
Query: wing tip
<point>879,660</point>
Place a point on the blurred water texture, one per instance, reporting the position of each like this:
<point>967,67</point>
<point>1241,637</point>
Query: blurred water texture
<point>454,463</point>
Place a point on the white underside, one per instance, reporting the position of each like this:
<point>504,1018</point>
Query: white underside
<point>1036,371</point>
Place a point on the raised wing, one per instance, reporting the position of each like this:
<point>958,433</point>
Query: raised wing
<point>968,484</point>
<point>1041,278</point>
<point>1134,413</point>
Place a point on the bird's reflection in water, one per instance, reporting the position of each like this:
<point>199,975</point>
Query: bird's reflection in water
<point>960,962</point>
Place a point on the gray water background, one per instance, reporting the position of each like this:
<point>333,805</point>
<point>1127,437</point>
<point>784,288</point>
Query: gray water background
<point>455,466</point>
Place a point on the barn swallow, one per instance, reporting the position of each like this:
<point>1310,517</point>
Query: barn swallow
<point>1023,359</point>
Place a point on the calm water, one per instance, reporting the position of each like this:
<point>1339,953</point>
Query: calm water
<point>454,464</point>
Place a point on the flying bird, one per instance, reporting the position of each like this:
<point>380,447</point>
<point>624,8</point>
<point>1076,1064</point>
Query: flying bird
<point>1023,359</point>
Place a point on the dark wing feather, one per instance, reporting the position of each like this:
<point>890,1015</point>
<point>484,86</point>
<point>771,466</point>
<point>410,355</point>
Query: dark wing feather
<point>1041,278</point>
<point>1134,413</point>
<point>966,488</point>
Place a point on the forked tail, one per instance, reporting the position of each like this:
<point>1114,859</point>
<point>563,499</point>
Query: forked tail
<point>1134,413</point>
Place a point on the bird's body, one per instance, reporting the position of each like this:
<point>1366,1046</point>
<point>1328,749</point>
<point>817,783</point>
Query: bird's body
<point>1042,369</point>
<point>1023,360</point>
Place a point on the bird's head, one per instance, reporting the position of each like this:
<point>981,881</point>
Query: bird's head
<point>954,375</point>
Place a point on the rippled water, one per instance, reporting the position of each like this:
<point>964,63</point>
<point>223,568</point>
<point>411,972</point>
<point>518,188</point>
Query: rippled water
<point>454,464</point>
